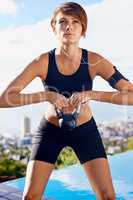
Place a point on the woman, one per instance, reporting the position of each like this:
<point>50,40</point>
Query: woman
<point>67,73</point>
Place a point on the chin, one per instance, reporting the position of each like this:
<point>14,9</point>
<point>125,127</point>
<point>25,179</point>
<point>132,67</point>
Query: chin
<point>69,41</point>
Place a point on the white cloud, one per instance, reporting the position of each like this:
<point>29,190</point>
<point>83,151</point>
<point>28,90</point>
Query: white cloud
<point>19,45</point>
<point>8,7</point>
<point>111,27</point>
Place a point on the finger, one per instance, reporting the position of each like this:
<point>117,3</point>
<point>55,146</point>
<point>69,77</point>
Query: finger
<point>66,101</point>
<point>70,99</point>
<point>59,104</point>
<point>72,95</point>
<point>57,107</point>
<point>62,101</point>
<point>76,98</point>
<point>76,102</point>
<point>73,99</point>
<point>72,102</point>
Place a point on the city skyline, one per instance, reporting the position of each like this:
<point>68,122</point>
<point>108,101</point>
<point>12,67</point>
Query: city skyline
<point>109,33</point>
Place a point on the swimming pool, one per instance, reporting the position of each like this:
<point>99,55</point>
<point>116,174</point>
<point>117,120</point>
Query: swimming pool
<point>71,182</point>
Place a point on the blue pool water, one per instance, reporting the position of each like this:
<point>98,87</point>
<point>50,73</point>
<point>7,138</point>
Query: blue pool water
<point>71,182</point>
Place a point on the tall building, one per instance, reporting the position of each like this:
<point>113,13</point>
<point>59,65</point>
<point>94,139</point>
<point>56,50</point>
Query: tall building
<point>25,127</point>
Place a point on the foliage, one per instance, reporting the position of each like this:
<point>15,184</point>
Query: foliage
<point>12,168</point>
<point>130,143</point>
<point>66,157</point>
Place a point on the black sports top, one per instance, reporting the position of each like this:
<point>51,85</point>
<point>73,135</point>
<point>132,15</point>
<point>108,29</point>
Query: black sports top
<point>68,84</point>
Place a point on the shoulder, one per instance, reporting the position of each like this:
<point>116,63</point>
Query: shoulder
<point>93,62</point>
<point>102,66</point>
<point>42,63</point>
<point>94,58</point>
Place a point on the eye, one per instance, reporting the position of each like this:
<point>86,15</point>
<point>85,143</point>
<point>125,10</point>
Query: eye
<point>76,21</point>
<point>61,21</point>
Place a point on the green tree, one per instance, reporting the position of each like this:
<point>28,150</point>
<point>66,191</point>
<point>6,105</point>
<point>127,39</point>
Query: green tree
<point>12,168</point>
<point>130,143</point>
<point>66,157</point>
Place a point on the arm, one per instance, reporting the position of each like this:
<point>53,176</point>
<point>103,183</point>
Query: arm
<point>121,98</point>
<point>12,97</point>
<point>124,93</point>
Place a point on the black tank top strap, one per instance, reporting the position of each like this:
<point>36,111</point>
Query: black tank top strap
<point>51,62</point>
<point>84,60</point>
<point>84,63</point>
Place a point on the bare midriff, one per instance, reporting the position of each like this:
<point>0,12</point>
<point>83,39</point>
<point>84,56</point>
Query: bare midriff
<point>84,115</point>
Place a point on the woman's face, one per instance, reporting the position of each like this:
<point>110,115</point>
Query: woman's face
<point>68,29</point>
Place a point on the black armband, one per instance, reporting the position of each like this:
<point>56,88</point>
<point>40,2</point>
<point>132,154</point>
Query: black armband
<point>115,77</point>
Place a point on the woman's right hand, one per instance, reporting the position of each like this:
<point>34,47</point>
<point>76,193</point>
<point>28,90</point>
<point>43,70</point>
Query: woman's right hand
<point>57,99</point>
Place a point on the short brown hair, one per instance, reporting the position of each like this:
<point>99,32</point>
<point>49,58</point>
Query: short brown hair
<point>74,9</point>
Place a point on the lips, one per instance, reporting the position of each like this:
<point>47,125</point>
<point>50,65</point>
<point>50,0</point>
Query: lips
<point>67,34</point>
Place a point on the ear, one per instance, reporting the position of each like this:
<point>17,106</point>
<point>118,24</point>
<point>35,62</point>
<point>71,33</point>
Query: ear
<point>54,30</point>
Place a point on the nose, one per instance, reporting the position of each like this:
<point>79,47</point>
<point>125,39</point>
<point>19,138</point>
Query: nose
<point>69,26</point>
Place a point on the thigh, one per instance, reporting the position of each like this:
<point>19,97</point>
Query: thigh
<point>45,149</point>
<point>46,143</point>
<point>37,175</point>
<point>99,175</point>
<point>87,142</point>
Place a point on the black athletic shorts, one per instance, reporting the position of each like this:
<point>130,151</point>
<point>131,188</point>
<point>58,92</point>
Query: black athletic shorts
<point>50,139</point>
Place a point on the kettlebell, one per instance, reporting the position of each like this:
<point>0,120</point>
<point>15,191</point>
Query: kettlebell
<point>67,121</point>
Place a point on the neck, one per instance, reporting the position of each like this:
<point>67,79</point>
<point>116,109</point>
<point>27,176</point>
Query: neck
<point>68,50</point>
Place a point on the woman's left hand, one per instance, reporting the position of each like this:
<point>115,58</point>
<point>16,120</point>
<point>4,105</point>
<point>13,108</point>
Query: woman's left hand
<point>78,98</point>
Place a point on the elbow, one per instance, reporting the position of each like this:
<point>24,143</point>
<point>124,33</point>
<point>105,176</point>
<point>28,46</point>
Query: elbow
<point>127,98</point>
<point>2,102</point>
<point>5,101</point>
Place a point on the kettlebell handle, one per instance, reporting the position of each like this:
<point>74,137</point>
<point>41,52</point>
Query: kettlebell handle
<point>75,111</point>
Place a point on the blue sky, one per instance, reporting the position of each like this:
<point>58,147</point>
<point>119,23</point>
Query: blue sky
<point>29,11</point>
<point>25,34</point>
